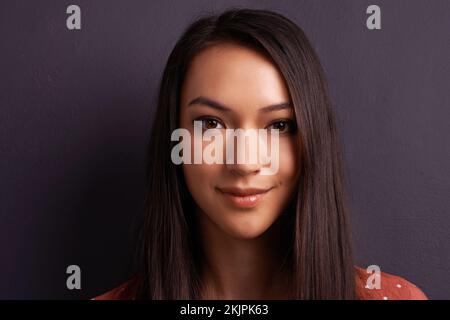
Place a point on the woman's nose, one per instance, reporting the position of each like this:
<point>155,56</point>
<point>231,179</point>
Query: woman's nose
<point>244,159</point>
<point>244,169</point>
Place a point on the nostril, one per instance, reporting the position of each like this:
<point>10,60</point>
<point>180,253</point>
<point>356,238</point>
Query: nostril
<point>244,169</point>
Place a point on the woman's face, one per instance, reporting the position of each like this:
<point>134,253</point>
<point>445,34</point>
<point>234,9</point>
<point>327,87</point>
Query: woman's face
<point>235,197</point>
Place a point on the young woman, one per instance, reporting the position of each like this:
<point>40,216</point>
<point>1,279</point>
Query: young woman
<point>226,231</point>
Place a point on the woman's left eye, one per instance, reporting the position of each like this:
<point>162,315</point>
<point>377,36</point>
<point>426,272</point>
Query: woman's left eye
<point>210,123</point>
<point>284,126</point>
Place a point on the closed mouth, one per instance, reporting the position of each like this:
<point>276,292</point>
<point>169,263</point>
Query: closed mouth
<point>241,192</point>
<point>244,198</point>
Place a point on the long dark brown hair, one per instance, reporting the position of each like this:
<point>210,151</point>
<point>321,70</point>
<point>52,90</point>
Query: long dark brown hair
<point>320,255</point>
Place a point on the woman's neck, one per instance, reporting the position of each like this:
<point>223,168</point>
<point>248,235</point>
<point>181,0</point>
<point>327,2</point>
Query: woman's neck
<point>242,268</point>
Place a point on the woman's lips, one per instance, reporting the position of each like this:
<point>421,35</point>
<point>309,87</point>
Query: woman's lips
<point>244,198</point>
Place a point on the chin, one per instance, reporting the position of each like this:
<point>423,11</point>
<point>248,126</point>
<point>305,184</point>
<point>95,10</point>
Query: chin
<point>246,230</point>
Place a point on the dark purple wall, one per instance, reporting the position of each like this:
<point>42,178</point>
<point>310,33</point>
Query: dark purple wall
<point>76,108</point>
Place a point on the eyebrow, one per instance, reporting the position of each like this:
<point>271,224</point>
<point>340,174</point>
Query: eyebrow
<point>221,107</point>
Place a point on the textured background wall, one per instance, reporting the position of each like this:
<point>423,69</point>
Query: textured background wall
<point>76,109</point>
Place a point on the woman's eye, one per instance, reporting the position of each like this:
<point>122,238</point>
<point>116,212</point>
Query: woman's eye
<point>284,126</point>
<point>210,123</point>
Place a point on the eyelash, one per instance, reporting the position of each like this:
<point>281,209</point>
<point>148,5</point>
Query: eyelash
<point>290,123</point>
<point>209,118</point>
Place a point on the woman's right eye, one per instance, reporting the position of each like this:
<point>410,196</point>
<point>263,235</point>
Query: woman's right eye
<point>210,123</point>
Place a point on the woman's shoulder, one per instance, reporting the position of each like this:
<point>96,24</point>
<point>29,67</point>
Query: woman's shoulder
<point>126,291</point>
<point>391,287</point>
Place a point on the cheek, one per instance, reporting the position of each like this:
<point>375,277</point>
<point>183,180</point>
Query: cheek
<point>200,180</point>
<point>289,161</point>
<point>200,173</point>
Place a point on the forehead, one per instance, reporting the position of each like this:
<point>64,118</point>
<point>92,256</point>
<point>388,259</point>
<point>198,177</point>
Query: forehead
<point>235,75</point>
